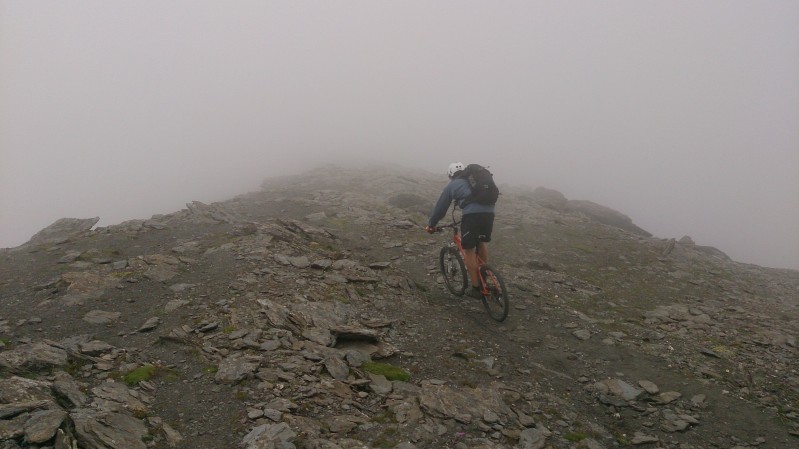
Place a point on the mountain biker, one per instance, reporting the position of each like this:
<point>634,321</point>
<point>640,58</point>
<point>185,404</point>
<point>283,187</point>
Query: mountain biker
<point>476,223</point>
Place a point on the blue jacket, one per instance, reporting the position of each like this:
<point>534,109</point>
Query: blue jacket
<point>458,189</point>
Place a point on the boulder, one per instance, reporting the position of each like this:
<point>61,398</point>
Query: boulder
<point>33,356</point>
<point>463,405</point>
<point>107,430</point>
<point>62,230</point>
<point>233,370</point>
<point>42,425</point>
<point>270,436</point>
<point>101,317</point>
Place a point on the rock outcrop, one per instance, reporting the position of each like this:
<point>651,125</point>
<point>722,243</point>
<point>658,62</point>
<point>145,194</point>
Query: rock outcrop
<point>62,230</point>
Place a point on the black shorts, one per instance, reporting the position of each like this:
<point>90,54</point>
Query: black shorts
<point>476,228</point>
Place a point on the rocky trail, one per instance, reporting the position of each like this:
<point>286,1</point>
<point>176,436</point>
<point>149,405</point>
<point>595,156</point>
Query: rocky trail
<point>311,315</point>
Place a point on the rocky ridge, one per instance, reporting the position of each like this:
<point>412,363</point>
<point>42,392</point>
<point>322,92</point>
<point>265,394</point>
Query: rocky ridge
<point>311,315</point>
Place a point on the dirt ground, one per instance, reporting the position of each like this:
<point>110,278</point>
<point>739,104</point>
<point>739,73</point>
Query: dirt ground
<point>564,273</point>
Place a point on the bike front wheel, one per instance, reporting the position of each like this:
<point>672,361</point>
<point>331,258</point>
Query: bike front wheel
<point>496,299</point>
<point>450,262</point>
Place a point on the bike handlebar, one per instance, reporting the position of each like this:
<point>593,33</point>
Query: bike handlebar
<point>441,228</point>
<point>454,224</point>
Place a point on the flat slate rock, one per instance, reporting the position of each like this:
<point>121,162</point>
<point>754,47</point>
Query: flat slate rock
<point>68,388</point>
<point>95,348</point>
<point>337,368</point>
<point>268,436</point>
<point>618,387</point>
<point>233,370</point>
<point>150,324</point>
<point>62,230</point>
<point>42,425</point>
<point>108,430</point>
<point>34,356</point>
<point>101,317</point>
<point>17,389</point>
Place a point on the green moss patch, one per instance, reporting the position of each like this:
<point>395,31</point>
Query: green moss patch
<point>140,374</point>
<point>146,372</point>
<point>575,436</point>
<point>391,372</point>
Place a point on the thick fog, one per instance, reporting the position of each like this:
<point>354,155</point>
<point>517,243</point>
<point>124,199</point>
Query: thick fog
<point>683,115</point>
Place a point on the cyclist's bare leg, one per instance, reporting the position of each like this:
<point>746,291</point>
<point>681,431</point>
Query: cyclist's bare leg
<point>482,251</point>
<point>470,259</point>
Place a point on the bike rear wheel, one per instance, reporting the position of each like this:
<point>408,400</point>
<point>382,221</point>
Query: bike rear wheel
<point>450,262</point>
<point>496,299</point>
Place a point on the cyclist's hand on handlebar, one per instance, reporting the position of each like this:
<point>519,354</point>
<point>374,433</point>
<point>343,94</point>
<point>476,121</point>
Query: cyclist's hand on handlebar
<point>431,229</point>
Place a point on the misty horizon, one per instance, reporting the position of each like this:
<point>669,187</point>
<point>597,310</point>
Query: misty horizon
<point>117,214</point>
<point>683,116</point>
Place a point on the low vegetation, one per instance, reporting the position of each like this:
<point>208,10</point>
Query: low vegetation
<point>147,372</point>
<point>139,374</point>
<point>390,372</point>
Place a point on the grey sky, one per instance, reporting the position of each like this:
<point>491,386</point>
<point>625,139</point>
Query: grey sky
<point>683,115</point>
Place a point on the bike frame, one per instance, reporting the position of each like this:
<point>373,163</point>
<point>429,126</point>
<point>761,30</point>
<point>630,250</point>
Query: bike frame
<point>457,241</point>
<point>492,286</point>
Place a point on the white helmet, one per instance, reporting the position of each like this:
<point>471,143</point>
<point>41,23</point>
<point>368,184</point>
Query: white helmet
<point>454,167</point>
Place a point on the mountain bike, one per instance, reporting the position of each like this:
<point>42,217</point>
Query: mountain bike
<point>492,286</point>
